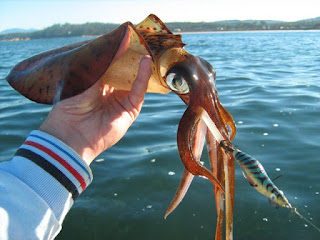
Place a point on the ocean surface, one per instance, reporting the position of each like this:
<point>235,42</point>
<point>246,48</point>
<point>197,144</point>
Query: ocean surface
<point>268,81</point>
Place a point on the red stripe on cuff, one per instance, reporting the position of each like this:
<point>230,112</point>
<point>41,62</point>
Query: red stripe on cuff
<point>60,160</point>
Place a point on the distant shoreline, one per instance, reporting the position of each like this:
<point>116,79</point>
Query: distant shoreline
<point>249,31</point>
<point>200,32</point>
<point>97,29</point>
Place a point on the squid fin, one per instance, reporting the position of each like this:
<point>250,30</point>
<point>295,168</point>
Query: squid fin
<point>70,70</point>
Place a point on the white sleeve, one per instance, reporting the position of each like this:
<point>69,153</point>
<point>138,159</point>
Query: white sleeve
<point>39,186</point>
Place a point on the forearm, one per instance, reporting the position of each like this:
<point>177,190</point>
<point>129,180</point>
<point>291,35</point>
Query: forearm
<point>39,186</point>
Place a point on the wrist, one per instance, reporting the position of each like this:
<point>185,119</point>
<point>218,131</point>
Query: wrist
<point>70,135</point>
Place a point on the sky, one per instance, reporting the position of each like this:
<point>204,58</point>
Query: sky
<point>39,14</point>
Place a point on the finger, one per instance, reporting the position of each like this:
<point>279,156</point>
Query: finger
<point>140,85</point>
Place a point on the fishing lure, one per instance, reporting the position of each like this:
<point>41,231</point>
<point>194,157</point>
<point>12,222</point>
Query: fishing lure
<point>257,176</point>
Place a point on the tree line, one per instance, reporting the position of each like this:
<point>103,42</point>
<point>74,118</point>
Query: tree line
<point>93,29</point>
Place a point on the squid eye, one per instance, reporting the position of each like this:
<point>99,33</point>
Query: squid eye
<point>273,197</point>
<point>177,83</point>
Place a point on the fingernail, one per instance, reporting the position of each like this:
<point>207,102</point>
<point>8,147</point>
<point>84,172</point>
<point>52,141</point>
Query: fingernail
<point>146,58</point>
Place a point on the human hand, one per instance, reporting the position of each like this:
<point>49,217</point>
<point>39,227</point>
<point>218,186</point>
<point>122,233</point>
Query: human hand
<point>98,118</point>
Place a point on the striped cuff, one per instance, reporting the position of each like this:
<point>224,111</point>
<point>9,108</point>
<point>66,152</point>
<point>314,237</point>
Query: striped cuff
<point>59,160</point>
<point>61,172</point>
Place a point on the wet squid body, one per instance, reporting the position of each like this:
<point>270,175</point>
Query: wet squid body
<point>113,59</point>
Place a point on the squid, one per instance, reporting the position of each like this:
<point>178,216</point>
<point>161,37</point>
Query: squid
<point>114,59</point>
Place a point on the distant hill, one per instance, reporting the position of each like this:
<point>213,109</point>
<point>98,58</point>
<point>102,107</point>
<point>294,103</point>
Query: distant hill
<point>91,29</point>
<point>310,19</point>
<point>248,21</point>
<point>17,30</point>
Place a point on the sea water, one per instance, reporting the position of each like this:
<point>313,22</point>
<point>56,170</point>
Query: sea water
<point>268,81</point>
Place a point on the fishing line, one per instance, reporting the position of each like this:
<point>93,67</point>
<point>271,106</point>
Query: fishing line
<point>302,217</point>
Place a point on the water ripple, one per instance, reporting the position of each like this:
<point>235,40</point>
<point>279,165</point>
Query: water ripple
<point>269,81</point>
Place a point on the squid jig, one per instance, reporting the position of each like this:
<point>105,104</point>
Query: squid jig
<point>255,173</point>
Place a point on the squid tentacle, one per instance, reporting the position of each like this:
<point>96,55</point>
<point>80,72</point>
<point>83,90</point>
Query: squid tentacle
<point>187,177</point>
<point>182,189</point>
<point>185,136</point>
<point>228,120</point>
<point>217,170</point>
